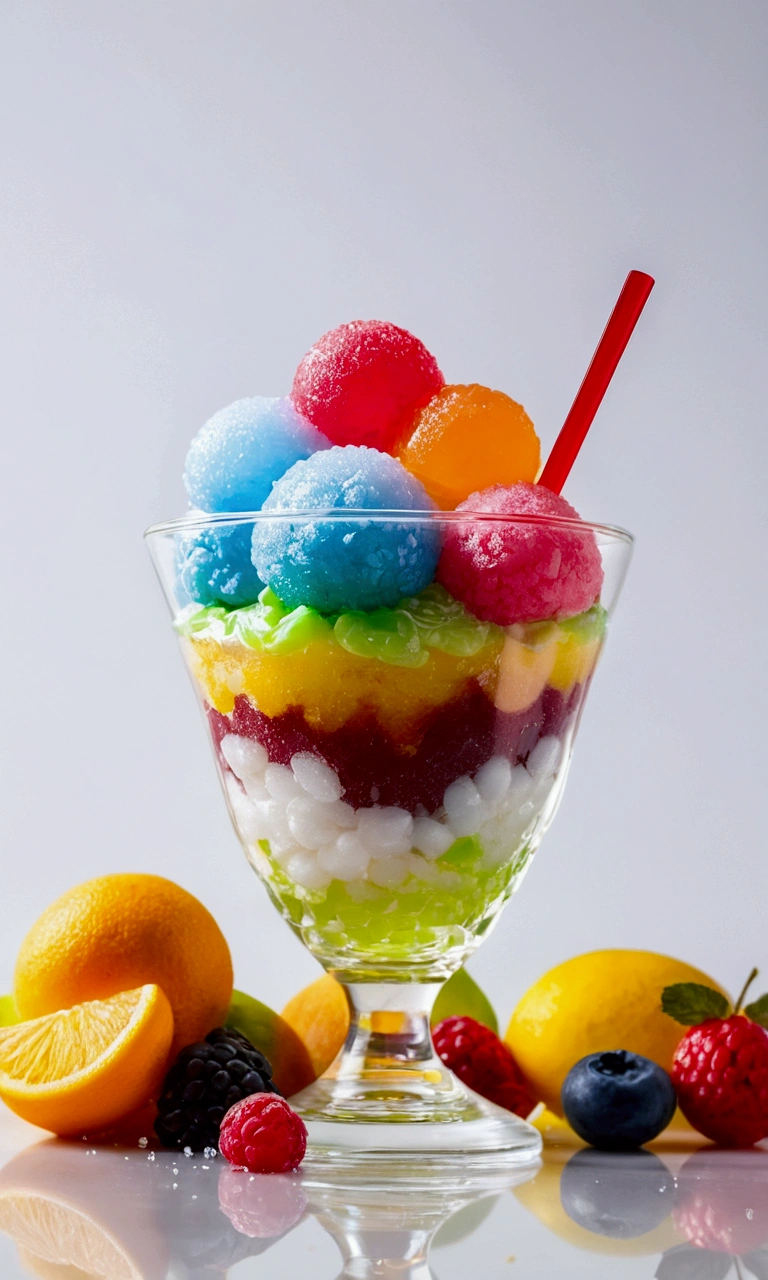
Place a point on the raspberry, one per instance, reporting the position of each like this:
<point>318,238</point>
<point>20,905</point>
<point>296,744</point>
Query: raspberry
<point>262,1134</point>
<point>720,1072</point>
<point>483,1063</point>
<point>261,1207</point>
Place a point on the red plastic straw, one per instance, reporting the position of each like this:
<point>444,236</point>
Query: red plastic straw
<point>610,349</point>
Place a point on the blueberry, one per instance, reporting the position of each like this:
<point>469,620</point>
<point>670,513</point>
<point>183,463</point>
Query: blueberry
<point>617,1101</point>
<point>619,1196</point>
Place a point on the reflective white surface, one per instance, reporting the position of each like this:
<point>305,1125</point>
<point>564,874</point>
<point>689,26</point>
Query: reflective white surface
<point>76,1212</point>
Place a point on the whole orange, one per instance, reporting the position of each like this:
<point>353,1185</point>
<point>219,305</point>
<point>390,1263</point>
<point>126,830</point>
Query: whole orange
<point>319,1014</point>
<point>123,931</point>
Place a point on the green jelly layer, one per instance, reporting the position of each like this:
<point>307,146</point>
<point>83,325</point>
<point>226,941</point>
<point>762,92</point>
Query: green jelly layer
<point>402,637</point>
<point>464,894</point>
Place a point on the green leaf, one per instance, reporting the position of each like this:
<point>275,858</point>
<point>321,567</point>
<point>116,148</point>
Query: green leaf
<point>691,1003</point>
<point>758,1010</point>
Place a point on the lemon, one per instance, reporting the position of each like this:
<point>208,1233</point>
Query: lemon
<point>81,1069</point>
<point>9,1014</point>
<point>601,1000</point>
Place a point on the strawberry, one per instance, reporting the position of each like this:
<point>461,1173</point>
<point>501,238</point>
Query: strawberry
<point>720,1067</point>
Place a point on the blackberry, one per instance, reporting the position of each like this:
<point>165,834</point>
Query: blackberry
<point>204,1082</point>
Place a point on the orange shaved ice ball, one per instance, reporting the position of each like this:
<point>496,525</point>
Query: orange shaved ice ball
<point>468,438</point>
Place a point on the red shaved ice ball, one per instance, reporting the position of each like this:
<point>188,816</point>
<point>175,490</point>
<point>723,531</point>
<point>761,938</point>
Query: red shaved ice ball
<point>513,571</point>
<point>364,383</point>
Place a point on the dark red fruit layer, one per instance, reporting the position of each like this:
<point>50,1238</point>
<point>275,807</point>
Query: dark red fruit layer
<point>454,740</point>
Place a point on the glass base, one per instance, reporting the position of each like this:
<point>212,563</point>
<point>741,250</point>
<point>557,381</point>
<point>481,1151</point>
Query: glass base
<point>388,1096</point>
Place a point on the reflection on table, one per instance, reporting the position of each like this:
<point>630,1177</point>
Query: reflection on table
<point>77,1212</point>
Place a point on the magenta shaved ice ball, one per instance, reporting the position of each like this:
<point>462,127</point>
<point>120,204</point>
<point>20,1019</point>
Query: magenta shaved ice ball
<point>519,572</point>
<point>364,383</point>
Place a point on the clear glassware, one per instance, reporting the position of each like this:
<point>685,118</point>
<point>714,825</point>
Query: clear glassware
<point>390,776</point>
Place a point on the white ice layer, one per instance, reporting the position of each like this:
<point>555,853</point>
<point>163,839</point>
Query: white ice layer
<point>317,837</point>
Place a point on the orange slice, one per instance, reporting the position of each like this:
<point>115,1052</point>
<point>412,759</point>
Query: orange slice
<point>83,1068</point>
<point>74,1218</point>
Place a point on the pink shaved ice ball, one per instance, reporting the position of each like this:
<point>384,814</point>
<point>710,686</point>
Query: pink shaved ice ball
<point>519,572</point>
<point>365,382</point>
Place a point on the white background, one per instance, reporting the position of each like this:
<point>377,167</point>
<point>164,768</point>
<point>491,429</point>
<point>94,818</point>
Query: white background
<point>194,192</point>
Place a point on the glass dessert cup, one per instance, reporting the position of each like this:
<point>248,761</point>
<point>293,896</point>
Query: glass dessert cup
<point>390,776</point>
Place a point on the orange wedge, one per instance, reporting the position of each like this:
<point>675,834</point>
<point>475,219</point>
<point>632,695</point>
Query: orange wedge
<point>82,1069</point>
<point>74,1218</point>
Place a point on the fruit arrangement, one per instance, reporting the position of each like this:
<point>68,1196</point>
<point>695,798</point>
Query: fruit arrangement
<point>597,1040</point>
<point>391,698</point>
<point>90,1042</point>
<point>115,1026</point>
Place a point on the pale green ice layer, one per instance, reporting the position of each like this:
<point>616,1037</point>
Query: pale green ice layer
<point>402,637</point>
<point>448,912</point>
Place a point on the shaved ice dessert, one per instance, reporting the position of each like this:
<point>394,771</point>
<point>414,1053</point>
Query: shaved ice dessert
<point>392,629</point>
<point>364,383</point>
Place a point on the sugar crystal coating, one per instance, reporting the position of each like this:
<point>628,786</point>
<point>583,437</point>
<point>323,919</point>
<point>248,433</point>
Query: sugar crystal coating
<point>214,566</point>
<point>334,565</point>
<point>364,383</point>
<point>508,571</point>
<point>239,452</point>
<point>468,438</point>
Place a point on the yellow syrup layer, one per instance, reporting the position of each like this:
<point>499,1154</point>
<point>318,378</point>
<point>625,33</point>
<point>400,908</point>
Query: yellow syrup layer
<point>331,685</point>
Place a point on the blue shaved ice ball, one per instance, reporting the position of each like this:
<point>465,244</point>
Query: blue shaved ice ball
<point>337,565</point>
<point>214,566</point>
<point>235,458</point>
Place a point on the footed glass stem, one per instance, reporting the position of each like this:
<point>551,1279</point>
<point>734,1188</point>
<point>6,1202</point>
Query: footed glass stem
<point>388,1091</point>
